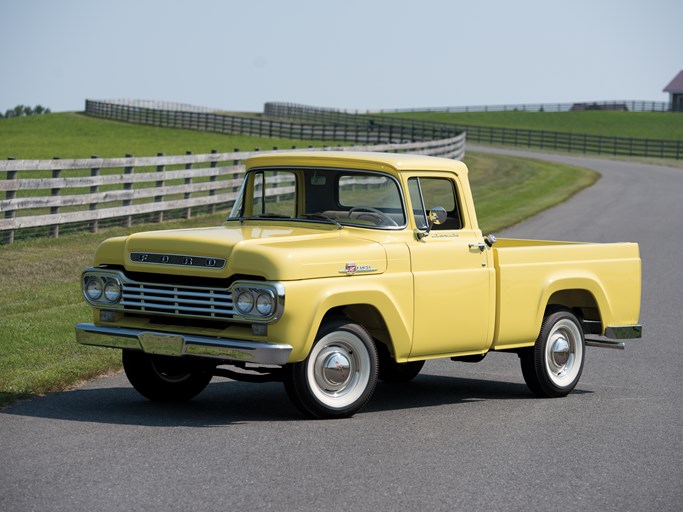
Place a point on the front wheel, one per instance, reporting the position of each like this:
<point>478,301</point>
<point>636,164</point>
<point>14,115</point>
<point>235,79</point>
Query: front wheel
<point>553,366</point>
<point>164,378</point>
<point>339,375</point>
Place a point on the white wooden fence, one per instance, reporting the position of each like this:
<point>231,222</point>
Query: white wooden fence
<point>52,193</point>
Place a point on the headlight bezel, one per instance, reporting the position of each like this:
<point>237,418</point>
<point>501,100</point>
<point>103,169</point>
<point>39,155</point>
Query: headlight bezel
<point>265,299</point>
<point>105,283</point>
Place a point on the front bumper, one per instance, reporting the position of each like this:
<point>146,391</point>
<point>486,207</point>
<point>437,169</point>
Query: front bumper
<point>168,344</point>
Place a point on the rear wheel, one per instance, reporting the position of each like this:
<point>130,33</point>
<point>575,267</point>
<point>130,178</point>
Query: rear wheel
<point>339,375</point>
<point>164,378</point>
<point>553,366</point>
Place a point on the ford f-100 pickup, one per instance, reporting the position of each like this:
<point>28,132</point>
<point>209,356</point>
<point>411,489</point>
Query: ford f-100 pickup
<point>336,269</point>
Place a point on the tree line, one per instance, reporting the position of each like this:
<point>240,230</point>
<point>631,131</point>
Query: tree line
<point>25,110</point>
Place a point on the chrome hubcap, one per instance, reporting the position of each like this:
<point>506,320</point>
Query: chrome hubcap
<point>336,369</point>
<point>560,351</point>
<point>563,353</point>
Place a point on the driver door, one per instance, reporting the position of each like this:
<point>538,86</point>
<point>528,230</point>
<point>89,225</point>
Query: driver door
<point>452,275</point>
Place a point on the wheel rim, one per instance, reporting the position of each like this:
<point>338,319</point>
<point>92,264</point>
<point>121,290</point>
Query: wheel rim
<point>338,369</point>
<point>563,353</point>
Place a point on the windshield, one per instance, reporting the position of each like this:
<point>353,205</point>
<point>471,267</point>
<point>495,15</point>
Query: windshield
<point>338,196</point>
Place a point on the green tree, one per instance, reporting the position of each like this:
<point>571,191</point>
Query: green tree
<point>25,110</point>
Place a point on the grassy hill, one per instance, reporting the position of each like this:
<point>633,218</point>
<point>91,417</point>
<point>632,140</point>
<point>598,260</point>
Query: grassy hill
<point>75,135</point>
<point>645,125</point>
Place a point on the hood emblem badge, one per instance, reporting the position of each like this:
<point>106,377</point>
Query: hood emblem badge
<point>178,260</point>
<point>352,269</point>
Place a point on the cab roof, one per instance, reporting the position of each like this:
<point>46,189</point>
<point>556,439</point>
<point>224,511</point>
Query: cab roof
<point>356,160</point>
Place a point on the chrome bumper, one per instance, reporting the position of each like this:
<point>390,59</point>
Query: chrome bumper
<point>625,332</point>
<point>162,343</point>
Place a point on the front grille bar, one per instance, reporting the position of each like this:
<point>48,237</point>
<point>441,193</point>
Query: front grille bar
<point>178,301</point>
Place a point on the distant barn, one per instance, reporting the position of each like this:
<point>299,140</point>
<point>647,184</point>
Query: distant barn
<point>675,90</point>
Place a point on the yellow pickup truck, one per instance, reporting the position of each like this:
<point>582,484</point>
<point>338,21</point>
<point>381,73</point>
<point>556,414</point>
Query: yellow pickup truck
<point>336,269</point>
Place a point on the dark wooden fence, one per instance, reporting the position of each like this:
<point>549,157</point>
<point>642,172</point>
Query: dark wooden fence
<point>362,132</point>
<point>556,141</point>
<point>626,105</point>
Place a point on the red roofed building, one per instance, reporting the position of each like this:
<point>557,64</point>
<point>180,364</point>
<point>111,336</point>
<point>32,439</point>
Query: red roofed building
<point>675,89</point>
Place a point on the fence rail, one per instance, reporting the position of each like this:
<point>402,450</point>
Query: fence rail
<point>269,126</point>
<point>629,105</point>
<point>557,141</point>
<point>54,193</point>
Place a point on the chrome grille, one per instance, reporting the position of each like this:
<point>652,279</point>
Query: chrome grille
<point>181,301</point>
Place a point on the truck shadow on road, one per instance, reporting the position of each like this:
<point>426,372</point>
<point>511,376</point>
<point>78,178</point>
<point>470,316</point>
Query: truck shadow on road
<point>227,402</point>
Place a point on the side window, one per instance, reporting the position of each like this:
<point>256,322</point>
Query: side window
<point>274,193</point>
<point>426,193</point>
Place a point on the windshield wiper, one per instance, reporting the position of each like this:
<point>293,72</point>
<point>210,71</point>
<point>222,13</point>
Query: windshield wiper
<point>267,216</point>
<point>321,216</point>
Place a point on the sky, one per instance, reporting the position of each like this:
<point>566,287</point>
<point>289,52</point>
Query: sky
<point>367,54</point>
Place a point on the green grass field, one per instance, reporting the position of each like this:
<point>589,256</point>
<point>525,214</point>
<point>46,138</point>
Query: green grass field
<point>40,298</point>
<point>75,135</point>
<point>645,125</point>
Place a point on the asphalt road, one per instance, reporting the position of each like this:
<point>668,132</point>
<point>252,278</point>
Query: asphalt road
<point>460,437</point>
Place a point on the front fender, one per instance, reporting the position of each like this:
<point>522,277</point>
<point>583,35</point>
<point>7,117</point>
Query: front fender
<point>307,303</point>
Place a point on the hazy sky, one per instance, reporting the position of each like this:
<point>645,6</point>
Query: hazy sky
<point>363,54</point>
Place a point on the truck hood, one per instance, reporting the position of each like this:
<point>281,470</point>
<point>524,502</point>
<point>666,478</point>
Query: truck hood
<point>273,251</point>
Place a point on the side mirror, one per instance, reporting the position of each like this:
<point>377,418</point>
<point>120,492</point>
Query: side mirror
<point>490,240</point>
<point>437,216</point>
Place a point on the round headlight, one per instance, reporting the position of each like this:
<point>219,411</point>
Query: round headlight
<point>93,287</point>
<point>112,290</point>
<point>264,304</point>
<point>245,302</point>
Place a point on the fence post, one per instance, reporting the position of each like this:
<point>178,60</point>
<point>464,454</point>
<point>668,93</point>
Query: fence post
<point>128,220</point>
<point>54,229</point>
<point>159,217</point>
<point>237,188</point>
<point>95,171</point>
<point>188,181</point>
<point>8,237</point>
<point>212,179</point>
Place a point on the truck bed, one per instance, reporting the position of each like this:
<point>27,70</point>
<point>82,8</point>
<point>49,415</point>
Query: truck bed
<point>601,278</point>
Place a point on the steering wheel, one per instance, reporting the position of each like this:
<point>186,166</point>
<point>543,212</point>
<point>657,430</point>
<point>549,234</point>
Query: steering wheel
<point>386,220</point>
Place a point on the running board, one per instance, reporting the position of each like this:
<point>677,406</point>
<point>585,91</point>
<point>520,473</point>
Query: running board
<point>593,342</point>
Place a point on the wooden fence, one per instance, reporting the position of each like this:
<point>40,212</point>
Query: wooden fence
<point>48,194</point>
<point>541,139</point>
<point>626,105</point>
<point>360,132</point>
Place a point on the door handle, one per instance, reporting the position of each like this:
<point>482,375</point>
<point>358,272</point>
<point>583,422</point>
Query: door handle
<point>481,246</point>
